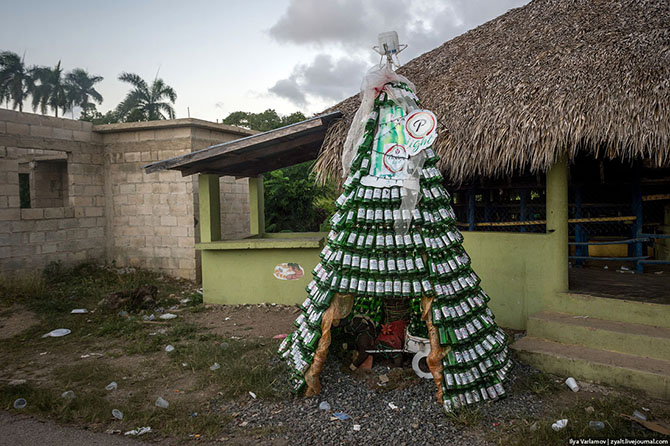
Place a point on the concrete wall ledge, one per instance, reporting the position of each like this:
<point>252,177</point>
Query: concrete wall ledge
<point>263,243</point>
<point>170,124</point>
<point>47,213</point>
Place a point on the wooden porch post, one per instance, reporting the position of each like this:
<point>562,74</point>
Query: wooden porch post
<point>256,206</point>
<point>210,208</point>
<point>637,209</point>
<point>557,219</point>
<point>522,208</point>
<point>471,206</point>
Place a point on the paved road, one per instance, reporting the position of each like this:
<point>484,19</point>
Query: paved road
<point>16,430</point>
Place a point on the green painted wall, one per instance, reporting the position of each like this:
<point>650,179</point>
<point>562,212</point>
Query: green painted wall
<point>513,268</point>
<point>514,272</point>
<point>520,271</point>
<point>245,276</point>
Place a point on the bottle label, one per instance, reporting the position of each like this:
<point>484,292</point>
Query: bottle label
<point>409,264</point>
<point>368,240</point>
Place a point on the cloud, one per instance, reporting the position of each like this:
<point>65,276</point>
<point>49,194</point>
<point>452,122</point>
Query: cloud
<point>325,78</point>
<point>351,27</point>
<point>355,24</point>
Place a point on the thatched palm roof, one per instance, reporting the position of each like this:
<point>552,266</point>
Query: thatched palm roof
<point>551,77</point>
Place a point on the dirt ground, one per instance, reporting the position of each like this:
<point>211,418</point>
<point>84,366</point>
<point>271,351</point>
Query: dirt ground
<point>219,355</point>
<point>15,320</point>
<point>261,321</point>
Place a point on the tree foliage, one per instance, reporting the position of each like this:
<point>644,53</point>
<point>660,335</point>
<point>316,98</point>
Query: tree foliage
<point>146,102</point>
<point>81,88</point>
<point>48,86</point>
<point>15,79</point>
<point>264,121</point>
<point>50,89</point>
<point>293,201</point>
<point>90,113</point>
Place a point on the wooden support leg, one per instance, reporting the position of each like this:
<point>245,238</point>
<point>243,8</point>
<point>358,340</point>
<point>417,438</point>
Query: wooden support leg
<point>437,352</point>
<point>339,308</point>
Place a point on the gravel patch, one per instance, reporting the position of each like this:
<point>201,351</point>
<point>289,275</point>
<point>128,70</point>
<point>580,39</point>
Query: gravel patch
<point>418,419</point>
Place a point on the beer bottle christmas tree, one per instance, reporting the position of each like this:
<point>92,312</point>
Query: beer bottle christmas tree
<point>394,241</point>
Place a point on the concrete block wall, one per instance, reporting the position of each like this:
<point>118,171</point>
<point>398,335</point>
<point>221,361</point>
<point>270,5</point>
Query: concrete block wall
<point>111,210</point>
<point>32,238</point>
<point>150,220</point>
<point>153,217</point>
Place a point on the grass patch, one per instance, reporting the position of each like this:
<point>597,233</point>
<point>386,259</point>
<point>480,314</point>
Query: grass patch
<point>245,366</point>
<point>607,410</point>
<point>58,289</point>
<point>91,374</point>
<point>87,406</point>
<point>466,416</point>
<point>539,383</point>
<point>178,419</point>
<point>91,406</point>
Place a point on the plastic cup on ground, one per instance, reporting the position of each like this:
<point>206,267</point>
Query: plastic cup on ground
<point>111,386</point>
<point>116,413</point>
<point>596,425</point>
<point>160,402</point>
<point>20,403</point>
<point>570,382</point>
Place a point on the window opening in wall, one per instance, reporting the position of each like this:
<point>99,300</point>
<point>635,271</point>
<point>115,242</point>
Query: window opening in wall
<point>24,190</point>
<point>43,178</point>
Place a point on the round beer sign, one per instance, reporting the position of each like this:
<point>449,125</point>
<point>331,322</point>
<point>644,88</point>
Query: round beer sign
<point>420,124</point>
<point>395,158</point>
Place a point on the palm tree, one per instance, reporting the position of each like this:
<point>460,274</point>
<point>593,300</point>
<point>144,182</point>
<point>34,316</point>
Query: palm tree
<point>15,79</point>
<point>80,88</point>
<point>50,89</point>
<point>145,102</point>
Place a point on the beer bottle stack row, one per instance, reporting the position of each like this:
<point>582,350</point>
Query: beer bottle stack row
<point>365,257</point>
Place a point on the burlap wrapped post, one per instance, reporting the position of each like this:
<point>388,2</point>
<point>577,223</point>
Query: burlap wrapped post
<point>437,352</point>
<point>339,308</point>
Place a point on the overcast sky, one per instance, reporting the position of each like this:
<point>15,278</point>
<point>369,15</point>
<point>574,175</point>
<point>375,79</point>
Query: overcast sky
<point>224,56</point>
